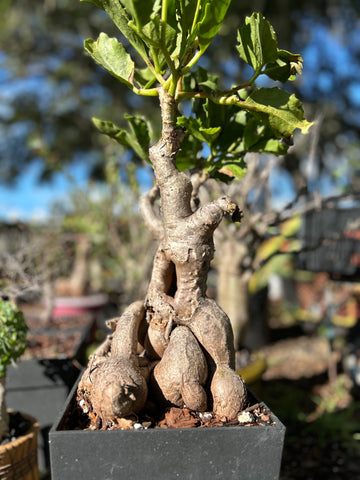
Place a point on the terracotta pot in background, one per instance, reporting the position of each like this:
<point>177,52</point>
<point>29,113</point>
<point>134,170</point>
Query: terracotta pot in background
<point>70,306</point>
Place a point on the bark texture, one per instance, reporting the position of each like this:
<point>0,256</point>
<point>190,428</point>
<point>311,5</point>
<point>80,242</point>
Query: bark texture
<point>115,385</point>
<point>187,340</point>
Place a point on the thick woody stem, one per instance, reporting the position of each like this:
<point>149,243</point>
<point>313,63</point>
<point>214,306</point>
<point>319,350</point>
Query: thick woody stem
<point>175,187</point>
<point>188,237</point>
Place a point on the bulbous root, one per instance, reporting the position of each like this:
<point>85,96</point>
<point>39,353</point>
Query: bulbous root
<point>198,353</point>
<point>117,389</point>
<point>228,392</point>
<point>114,385</point>
<point>211,326</point>
<point>182,372</point>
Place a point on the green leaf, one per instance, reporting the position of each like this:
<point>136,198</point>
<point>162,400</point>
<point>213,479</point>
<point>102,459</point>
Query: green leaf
<point>158,35</point>
<point>144,77</point>
<point>286,66</point>
<point>137,139</point>
<point>13,333</point>
<point>171,13</point>
<point>214,12</point>
<point>258,47</point>
<point>251,132</point>
<point>257,42</point>
<point>294,60</point>
<point>258,137</point>
<point>195,128</point>
<point>190,154</point>
<point>170,39</point>
<point>279,71</point>
<point>237,170</point>
<point>223,116</point>
<point>140,10</point>
<point>184,162</point>
<point>140,130</point>
<point>121,19</point>
<point>282,111</point>
<point>200,80</point>
<point>111,55</point>
<point>185,14</point>
<point>271,145</point>
<point>206,80</point>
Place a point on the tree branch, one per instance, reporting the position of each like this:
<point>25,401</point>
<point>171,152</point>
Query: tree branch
<point>151,219</point>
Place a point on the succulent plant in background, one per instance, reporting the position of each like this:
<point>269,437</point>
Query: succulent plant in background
<point>13,331</point>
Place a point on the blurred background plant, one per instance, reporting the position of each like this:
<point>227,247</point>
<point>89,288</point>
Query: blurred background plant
<point>113,246</point>
<point>13,331</point>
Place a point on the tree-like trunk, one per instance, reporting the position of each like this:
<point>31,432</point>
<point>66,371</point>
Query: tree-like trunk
<point>233,288</point>
<point>4,416</point>
<point>78,280</point>
<point>185,335</point>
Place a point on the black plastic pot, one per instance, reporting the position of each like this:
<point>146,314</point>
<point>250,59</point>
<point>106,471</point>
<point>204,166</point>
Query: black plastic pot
<point>40,386</point>
<point>249,453</point>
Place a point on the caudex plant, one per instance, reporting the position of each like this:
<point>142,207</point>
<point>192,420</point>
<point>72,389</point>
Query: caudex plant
<point>13,331</point>
<point>175,347</point>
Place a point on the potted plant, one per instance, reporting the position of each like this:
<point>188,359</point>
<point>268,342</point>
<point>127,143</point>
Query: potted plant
<point>176,348</point>
<point>18,431</point>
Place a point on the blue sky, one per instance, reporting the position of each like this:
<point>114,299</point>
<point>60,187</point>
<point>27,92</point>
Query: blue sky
<point>29,200</point>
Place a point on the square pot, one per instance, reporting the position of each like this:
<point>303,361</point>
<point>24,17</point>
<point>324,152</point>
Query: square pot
<point>249,453</point>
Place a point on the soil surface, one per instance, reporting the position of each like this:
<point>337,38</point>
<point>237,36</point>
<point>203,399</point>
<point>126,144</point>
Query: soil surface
<point>18,426</point>
<point>60,323</point>
<point>56,337</point>
<point>174,417</point>
<point>59,345</point>
<point>255,415</point>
